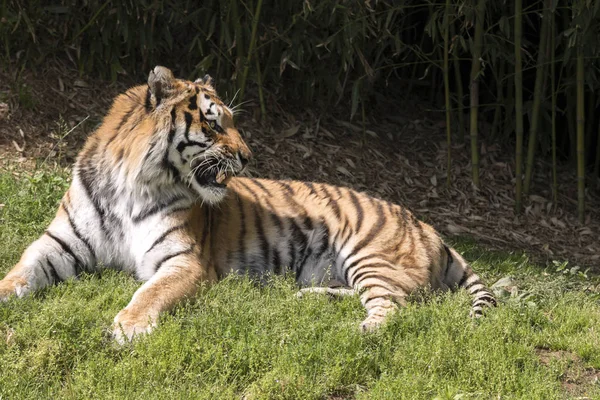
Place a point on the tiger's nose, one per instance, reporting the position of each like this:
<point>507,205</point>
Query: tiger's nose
<point>244,158</point>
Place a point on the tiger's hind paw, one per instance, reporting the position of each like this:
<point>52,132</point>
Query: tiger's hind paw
<point>371,323</point>
<point>333,292</point>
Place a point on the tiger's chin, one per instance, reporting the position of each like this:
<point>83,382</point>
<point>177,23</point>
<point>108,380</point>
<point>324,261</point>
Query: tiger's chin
<point>212,187</point>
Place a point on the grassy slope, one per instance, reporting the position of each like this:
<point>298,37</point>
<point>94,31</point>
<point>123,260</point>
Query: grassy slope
<point>239,339</point>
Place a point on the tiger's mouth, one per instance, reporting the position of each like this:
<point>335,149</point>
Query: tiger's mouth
<point>212,178</point>
<point>212,175</point>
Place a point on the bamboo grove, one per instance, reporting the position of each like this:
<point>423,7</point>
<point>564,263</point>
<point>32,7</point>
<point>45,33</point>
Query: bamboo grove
<point>528,68</point>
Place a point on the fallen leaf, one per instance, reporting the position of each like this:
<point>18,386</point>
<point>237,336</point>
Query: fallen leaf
<point>290,131</point>
<point>344,171</point>
<point>3,110</point>
<point>19,148</point>
<point>80,83</point>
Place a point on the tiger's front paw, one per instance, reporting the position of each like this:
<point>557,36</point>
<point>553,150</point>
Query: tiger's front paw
<point>128,324</point>
<point>11,287</point>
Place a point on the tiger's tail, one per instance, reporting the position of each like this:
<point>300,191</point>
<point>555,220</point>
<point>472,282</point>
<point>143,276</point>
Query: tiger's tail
<point>458,274</point>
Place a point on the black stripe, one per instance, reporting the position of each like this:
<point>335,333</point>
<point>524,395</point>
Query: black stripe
<point>308,224</point>
<point>166,162</point>
<point>262,237</point>
<point>166,233</point>
<point>41,266</point>
<point>77,232</point>
<point>363,271</point>
<point>120,125</point>
<point>121,154</point>
<point>463,279</point>
<point>77,263</point>
<point>184,145</point>
<point>193,102</point>
<point>333,203</point>
<point>188,124</point>
<point>157,208</point>
<point>384,280</point>
<point>261,186</point>
<point>475,282</point>
<point>359,209</point>
<point>270,208</point>
<point>287,188</point>
<point>206,231</point>
<point>242,235</point>
<point>383,296</point>
<point>377,227</point>
<point>53,271</point>
<point>299,238</point>
<point>449,263</point>
<point>87,180</point>
<point>276,261</point>
<point>487,297</point>
<point>260,229</point>
<point>338,191</point>
<point>170,256</point>
<point>404,215</point>
<point>342,233</point>
<point>355,263</point>
<point>311,188</point>
<point>148,103</point>
<point>177,209</point>
<point>324,245</point>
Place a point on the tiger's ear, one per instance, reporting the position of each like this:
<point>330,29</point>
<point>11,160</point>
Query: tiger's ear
<point>207,80</point>
<point>160,83</point>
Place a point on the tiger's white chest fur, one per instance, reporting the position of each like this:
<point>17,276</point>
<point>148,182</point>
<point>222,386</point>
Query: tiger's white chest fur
<point>123,227</point>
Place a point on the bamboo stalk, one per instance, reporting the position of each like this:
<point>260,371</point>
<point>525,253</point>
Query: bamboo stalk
<point>459,91</point>
<point>250,49</point>
<point>571,127</point>
<point>597,162</point>
<point>538,93</point>
<point>261,97</point>
<point>475,70</point>
<point>447,95</point>
<point>580,136</point>
<point>497,122</point>
<point>416,65</point>
<point>553,88</point>
<point>519,104</point>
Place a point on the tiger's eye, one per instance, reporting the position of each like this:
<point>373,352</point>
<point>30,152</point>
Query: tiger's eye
<point>212,124</point>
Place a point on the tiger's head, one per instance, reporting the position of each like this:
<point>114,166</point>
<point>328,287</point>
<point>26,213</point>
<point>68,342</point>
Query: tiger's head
<point>196,138</point>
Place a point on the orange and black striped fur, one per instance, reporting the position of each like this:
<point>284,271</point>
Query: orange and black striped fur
<point>155,192</point>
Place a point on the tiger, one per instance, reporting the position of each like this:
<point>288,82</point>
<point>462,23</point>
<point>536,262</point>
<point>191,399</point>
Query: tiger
<point>158,191</point>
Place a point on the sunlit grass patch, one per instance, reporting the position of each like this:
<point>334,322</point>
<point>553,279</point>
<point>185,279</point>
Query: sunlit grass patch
<point>240,339</point>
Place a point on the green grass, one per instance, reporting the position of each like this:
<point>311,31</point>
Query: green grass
<point>239,339</point>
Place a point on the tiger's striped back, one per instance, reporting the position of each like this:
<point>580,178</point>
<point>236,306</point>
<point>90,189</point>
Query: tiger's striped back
<point>321,232</point>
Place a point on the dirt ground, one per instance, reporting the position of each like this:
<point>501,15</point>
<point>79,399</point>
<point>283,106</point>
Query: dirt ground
<point>400,157</point>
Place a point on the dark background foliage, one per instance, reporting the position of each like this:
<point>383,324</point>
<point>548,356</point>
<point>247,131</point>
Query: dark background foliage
<point>350,53</point>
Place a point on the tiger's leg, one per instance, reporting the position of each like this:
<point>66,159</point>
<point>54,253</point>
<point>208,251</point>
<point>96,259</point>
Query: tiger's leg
<point>60,253</point>
<point>177,278</point>
<point>335,292</point>
<point>459,274</point>
<point>382,289</point>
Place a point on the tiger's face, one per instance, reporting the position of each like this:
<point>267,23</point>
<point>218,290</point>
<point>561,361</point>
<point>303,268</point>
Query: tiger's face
<point>204,149</point>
